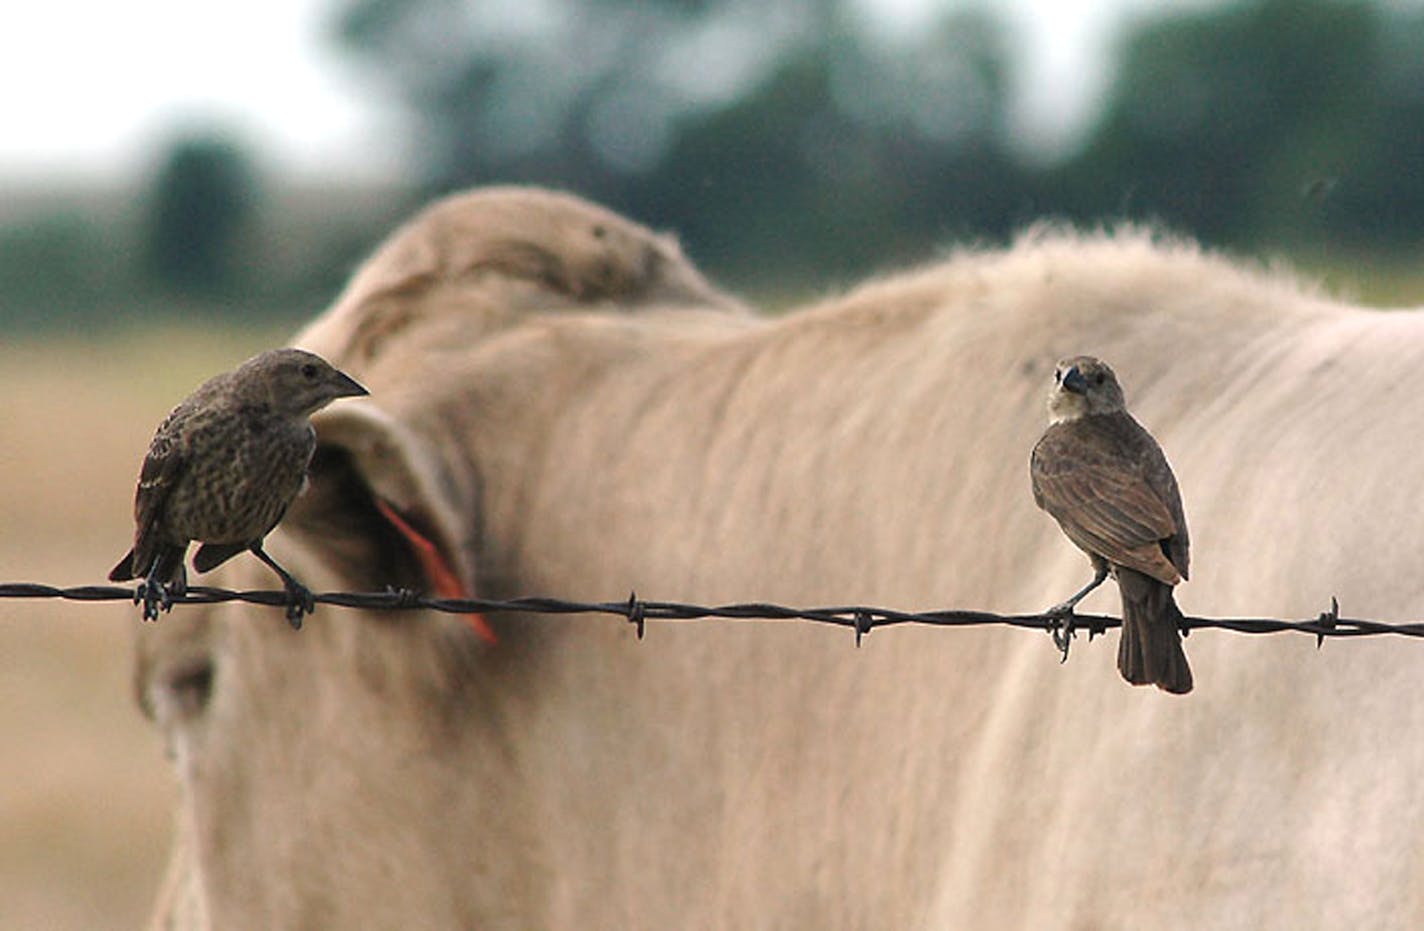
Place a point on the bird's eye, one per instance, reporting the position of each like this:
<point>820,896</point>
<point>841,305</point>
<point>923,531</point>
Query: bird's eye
<point>1098,378</point>
<point>309,371</point>
<point>1058,376</point>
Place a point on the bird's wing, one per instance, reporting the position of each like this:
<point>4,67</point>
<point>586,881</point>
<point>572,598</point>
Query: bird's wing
<point>1103,502</point>
<point>1164,484</point>
<point>162,468</point>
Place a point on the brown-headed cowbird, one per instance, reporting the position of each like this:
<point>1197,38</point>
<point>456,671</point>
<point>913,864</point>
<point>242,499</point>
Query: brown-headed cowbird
<point>222,469</point>
<point>1104,479</point>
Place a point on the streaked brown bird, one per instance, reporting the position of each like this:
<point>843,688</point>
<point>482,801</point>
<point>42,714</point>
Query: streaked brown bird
<point>222,469</point>
<point>1105,480</point>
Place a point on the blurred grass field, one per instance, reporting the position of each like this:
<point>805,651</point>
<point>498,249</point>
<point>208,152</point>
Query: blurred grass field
<point>86,797</point>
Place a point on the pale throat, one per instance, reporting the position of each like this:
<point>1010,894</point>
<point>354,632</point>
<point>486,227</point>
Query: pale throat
<point>1064,406</point>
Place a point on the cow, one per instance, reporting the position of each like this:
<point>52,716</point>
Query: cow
<point>565,407</point>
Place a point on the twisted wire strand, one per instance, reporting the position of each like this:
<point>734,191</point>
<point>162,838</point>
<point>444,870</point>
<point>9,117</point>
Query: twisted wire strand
<point>861,618</point>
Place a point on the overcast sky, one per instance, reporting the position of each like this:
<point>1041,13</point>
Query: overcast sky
<point>94,88</point>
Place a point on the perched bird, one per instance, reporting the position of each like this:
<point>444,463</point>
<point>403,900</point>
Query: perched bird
<point>1104,479</point>
<point>222,469</point>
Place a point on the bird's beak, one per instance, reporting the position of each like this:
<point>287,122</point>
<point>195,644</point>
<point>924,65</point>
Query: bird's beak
<point>348,387</point>
<point>1074,381</point>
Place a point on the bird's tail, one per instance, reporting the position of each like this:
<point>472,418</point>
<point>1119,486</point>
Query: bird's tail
<point>1150,650</point>
<point>166,566</point>
<point>124,570</point>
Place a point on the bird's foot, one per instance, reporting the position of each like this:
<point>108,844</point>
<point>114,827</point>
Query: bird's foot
<point>1061,626</point>
<point>155,597</point>
<point>301,602</point>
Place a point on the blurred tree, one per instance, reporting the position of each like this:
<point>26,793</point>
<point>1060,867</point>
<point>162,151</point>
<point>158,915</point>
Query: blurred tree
<point>850,155</point>
<point>1286,121</point>
<point>787,137</point>
<point>54,268</point>
<point>204,195</point>
<point>758,130</point>
<point>578,90</point>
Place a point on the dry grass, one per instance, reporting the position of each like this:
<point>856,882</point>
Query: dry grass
<point>85,794</point>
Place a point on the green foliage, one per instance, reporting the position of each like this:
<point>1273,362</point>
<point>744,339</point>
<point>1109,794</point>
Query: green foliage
<point>203,241</point>
<point>203,198</point>
<point>1276,121</point>
<point>841,161</point>
<point>779,139</point>
<point>1266,123</point>
<point>54,268</point>
<point>789,145</point>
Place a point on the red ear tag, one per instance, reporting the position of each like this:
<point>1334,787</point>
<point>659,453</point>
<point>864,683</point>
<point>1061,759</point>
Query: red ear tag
<point>437,571</point>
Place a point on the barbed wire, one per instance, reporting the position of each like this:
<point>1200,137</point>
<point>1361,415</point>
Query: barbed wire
<point>862,619</point>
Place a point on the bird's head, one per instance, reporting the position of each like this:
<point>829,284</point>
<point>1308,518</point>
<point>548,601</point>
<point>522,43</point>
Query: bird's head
<point>296,382</point>
<point>1082,386</point>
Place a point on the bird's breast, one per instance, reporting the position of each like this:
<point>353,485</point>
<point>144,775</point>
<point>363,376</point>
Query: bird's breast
<point>240,480</point>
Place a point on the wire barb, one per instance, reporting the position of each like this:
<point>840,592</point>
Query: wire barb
<point>637,613</point>
<point>403,599</point>
<point>1327,621</point>
<point>863,623</point>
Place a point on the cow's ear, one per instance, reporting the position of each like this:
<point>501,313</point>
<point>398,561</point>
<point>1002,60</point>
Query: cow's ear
<point>382,507</point>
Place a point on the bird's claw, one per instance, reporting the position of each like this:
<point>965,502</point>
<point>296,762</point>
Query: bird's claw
<point>1061,627</point>
<point>300,602</point>
<point>155,597</point>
